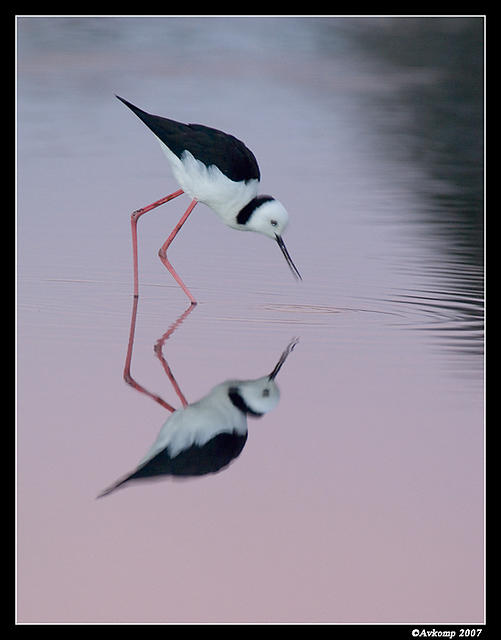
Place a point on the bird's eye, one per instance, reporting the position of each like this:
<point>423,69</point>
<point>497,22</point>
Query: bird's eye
<point>273,223</point>
<point>266,392</point>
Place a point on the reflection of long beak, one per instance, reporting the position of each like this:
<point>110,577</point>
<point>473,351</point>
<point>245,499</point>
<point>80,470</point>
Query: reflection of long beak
<point>283,358</point>
<point>283,248</point>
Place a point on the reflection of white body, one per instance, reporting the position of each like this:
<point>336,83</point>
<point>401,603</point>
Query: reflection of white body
<point>215,413</point>
<point>207,435</point>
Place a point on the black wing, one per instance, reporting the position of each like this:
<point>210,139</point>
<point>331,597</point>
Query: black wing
<point>210,146</point>
<point>197,460</point>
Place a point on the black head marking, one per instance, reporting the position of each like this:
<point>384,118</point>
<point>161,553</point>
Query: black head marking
<point>245,213</point>
<point>238,402</point>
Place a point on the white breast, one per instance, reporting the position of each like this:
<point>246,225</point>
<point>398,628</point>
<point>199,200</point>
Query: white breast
<point>210,186</point>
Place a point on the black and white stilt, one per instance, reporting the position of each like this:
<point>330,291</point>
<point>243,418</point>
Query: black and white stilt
<point>217,169</point>
<point>204,437</point>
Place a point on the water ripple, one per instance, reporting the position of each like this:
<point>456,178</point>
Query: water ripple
<point>455,320</point>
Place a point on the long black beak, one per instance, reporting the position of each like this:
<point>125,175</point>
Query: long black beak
<point>283,358</point>
<point>283,248</point>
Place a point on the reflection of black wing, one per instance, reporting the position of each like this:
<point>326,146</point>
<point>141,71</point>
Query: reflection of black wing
<point>197,460</point>
<point>206,144</point>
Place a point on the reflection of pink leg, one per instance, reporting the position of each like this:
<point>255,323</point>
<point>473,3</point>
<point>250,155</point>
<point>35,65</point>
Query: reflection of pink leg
<point>127,375</point>
<point>133,221</point>
<point>163,250</point>
<point>158,350</point>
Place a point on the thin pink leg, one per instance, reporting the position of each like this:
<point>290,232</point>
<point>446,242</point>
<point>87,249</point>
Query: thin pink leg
<point>163,250</point>
<point>159,347</point>
<point>127,375</point>
<point>133,221</point>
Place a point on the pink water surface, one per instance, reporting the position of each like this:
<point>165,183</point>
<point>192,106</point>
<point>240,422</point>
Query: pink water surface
<point>360,498</point>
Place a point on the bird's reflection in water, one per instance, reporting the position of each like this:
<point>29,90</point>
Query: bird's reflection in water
<point>205,436</point>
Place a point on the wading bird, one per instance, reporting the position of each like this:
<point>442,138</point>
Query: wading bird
<point>205,436</point>
<point>217,169</point>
